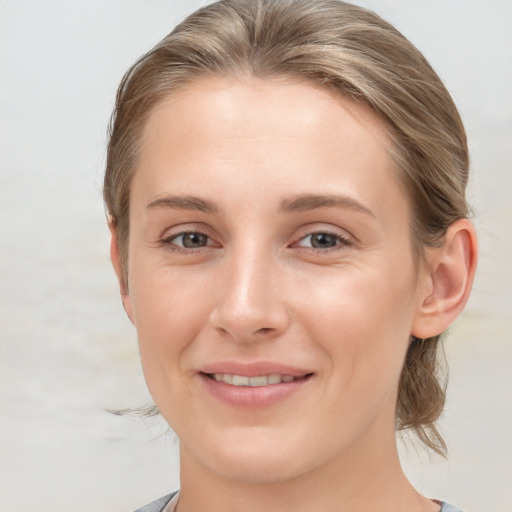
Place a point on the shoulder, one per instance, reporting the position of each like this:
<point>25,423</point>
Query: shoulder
<point>159,504</point>
<point>446,507</point>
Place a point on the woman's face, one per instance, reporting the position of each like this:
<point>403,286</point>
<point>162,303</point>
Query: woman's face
<point>271,278</point>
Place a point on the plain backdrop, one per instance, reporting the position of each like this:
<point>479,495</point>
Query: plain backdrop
<point>67,352</point>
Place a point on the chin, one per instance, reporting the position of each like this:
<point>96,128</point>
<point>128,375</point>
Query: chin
<point>263,468</point>
<point>259,458</point>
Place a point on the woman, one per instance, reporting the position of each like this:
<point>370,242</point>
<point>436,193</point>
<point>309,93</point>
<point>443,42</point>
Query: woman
<point>286,195</point>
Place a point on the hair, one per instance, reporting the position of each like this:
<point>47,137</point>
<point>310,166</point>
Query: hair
<point>347,49</point>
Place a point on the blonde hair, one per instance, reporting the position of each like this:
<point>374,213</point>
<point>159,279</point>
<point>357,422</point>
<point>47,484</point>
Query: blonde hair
<point>345,48</point>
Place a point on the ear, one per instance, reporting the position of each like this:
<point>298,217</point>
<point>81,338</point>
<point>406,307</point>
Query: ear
<point>448,280</point>
<point>115,256</point>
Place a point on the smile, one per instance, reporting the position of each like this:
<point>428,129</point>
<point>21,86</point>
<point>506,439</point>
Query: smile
<point>254,382</point>
<point>254,391</point>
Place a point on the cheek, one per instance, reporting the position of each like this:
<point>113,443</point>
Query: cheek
<point>362,321</point>
<point>165,300</point>
<point>169,310</point>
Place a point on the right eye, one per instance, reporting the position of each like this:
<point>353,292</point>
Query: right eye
<point>189,240</point>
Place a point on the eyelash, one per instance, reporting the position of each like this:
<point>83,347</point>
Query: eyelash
<point>169,242</point>
<point>340,240</point>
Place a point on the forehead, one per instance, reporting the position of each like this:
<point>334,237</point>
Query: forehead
<point>219,135</point>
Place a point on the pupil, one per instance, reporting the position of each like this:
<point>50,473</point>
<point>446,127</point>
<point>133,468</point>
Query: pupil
<point>191,240</point>
<point>323,240</point>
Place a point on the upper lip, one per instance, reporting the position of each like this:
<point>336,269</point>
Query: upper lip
<point>254,369</point>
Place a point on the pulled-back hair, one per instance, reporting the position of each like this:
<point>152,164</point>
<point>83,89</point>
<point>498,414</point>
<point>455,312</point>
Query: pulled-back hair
<point>344,48</point>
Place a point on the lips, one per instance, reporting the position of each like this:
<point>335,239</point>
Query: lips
<point>254,369</point>
<point>253,385</point>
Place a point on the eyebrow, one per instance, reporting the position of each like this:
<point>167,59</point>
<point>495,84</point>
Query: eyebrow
<point>299,203</point>
<point>311,201</point>
<point>183,203</point>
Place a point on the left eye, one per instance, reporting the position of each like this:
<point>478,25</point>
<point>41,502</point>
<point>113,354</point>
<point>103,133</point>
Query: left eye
<point>322,240</point>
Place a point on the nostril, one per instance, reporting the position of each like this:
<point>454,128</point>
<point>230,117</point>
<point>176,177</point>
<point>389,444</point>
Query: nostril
<point>246,323</point>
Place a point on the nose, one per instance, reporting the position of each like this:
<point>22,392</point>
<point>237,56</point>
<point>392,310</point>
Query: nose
<point>251,304</point>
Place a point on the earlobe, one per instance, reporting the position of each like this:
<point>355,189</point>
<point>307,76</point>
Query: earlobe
<point>451,272</point>
<point>115,256</point>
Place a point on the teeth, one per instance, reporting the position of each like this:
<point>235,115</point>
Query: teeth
<point>258,381</point>
<point>255,382</point>
<point>275,378</point>
<point>239,380</point>
<point>227,378</point>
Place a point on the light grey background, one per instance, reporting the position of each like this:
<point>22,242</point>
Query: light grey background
<point>68,353</point>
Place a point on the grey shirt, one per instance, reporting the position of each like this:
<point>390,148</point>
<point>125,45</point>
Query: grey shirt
<point>159,505</point>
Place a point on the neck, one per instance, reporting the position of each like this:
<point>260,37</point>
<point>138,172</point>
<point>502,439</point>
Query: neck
<point>367,480</point>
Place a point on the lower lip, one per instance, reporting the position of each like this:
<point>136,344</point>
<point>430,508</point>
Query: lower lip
<point>248,397</point>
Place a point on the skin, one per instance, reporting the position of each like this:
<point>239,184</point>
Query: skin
<point>259,287</point>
